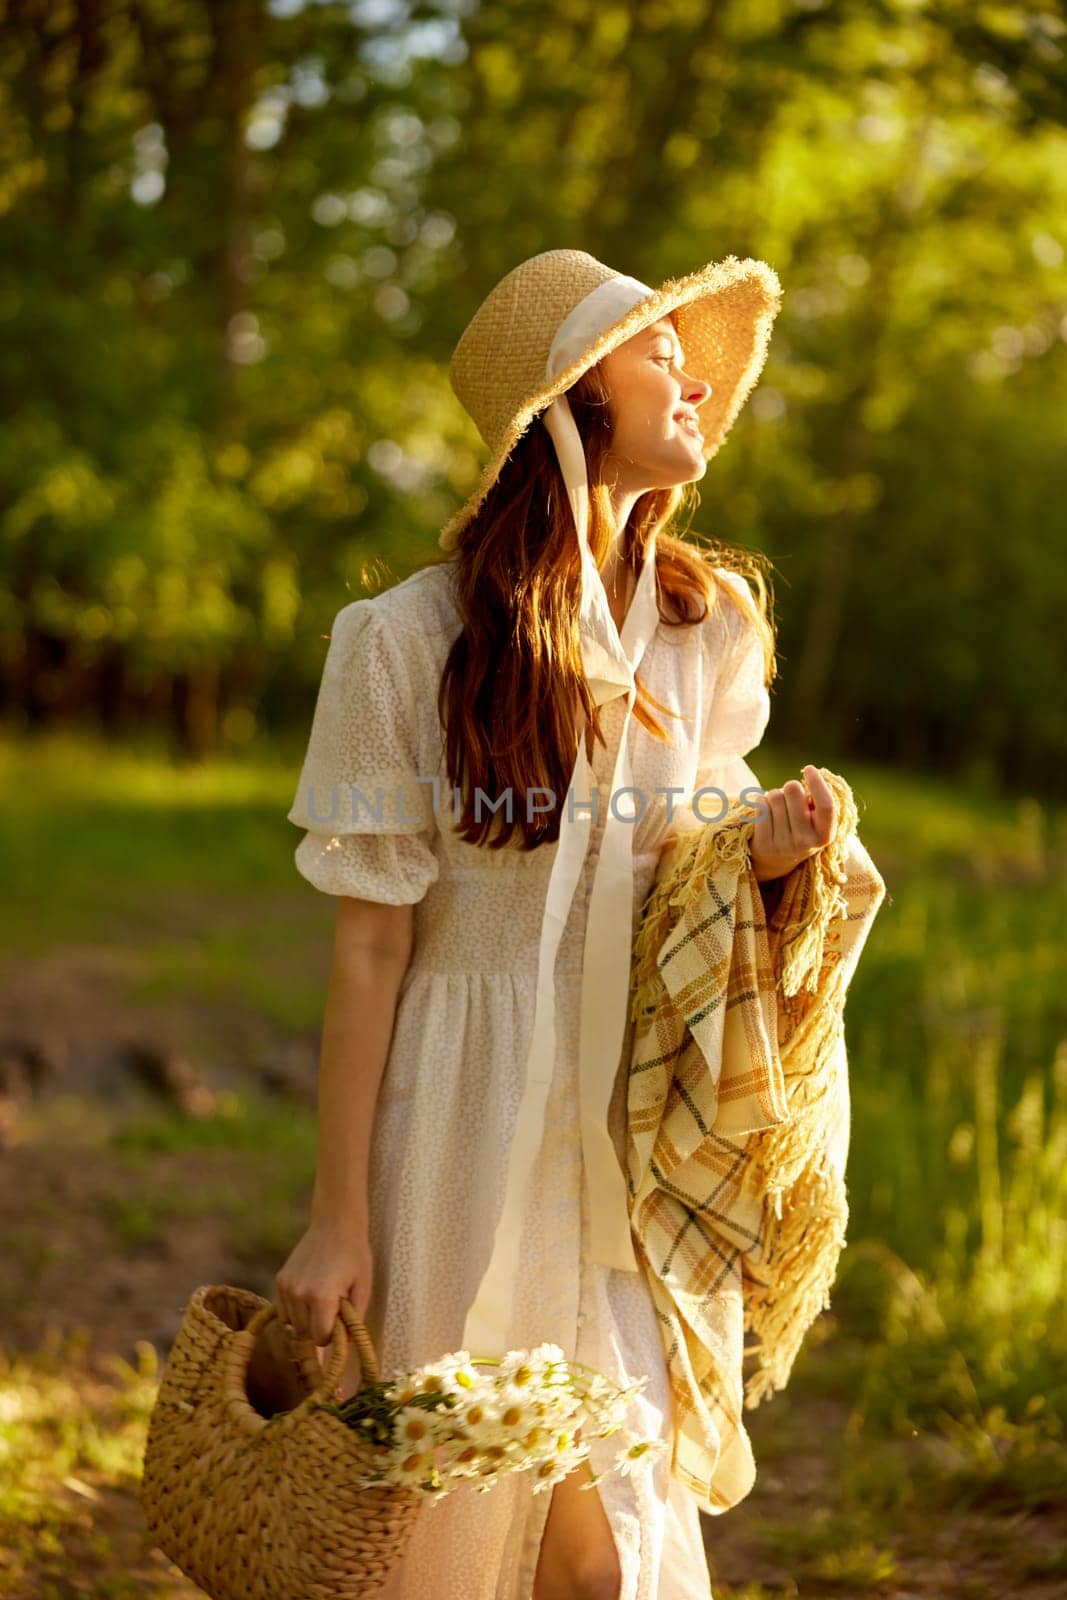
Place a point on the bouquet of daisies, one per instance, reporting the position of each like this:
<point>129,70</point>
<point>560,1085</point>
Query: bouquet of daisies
<point>258,1482</point>
<point>448,1423</point>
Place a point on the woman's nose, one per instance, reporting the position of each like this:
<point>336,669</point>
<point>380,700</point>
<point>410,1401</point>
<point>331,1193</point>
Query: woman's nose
<point>700,393</point>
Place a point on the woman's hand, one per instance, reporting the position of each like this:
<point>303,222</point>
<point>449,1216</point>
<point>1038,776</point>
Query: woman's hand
<point>328,1264</point>
<point>796,823</point>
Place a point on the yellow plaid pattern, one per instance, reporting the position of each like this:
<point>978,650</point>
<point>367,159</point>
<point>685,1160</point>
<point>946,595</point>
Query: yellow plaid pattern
<point>738,1117</point>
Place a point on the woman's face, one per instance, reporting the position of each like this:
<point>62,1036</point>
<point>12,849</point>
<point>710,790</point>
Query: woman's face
<point>657,440</point>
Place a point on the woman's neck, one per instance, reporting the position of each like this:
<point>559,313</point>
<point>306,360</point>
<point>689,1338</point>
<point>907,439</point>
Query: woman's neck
<point>620,587</point>
<point>618,577</point>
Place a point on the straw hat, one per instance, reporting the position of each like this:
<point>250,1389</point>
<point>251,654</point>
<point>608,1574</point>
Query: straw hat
<point>557,314</point>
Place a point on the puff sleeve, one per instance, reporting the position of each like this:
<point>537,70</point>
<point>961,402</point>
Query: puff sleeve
<point>369,822</point>
<point>740,706</point>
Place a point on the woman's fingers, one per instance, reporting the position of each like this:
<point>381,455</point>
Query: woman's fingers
<point>767,829</point>
<point>798,828</point>
<point>822,807</point>
<point>291,1309</point>
<point>798,820</point>
<point>311,1312</point>
<point>299,1320</point>
<point>781,836</point>
<point>280,1302</point>
<point>772,845</point>
<point>323,1317</point>
<point>811,811</point>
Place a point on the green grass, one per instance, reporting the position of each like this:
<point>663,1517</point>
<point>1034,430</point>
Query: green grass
<point>71,1446</point>
<point>837,1549</point>
<point>255,1167</point>
<point>72,1430</point>
<point>239,1122</point>
<point>80,804</point>
<point>186,869</point>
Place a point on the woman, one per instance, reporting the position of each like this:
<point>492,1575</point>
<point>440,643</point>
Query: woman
<point>472,1083</point>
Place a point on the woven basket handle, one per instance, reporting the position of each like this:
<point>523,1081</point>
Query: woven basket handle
<point>238,1354</point>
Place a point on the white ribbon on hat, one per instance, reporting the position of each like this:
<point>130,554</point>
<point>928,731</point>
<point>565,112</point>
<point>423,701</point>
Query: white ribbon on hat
<point>610,662</point>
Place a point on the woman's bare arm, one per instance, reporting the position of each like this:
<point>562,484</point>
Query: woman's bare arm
<point>371,951</point>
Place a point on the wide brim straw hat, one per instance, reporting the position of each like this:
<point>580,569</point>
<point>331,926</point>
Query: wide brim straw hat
<point>558,313</point>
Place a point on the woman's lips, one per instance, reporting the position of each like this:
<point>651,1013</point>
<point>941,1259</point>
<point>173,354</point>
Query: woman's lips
<point>691,428</point>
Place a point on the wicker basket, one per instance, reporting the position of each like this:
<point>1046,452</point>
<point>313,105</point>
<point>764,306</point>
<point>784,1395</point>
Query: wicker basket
<point>246,1486</point>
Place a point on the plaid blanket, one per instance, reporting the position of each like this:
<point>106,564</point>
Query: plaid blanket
<point>738,1119</point>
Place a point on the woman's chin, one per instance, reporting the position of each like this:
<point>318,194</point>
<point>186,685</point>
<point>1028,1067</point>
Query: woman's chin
<point>694,468</point>
<point>687,466</point>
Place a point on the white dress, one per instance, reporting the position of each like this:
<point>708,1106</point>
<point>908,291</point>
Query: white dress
<point>452,1083</point>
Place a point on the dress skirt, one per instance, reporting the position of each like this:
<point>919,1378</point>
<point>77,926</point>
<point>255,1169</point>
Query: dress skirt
<point>470,1545</point>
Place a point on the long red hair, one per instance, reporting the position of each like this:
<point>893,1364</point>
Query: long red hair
<point>513,695</point>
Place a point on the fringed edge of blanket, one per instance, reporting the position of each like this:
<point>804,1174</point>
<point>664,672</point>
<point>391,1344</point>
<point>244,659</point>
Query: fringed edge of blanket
<point>814,897</point>
<point>804,1252</point>
<point>805,1204</point>
<point>806,1210</point>
<point>693,857</point>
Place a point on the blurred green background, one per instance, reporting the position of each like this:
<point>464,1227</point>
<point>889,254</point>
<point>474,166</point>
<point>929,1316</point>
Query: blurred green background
<point>237,245</point>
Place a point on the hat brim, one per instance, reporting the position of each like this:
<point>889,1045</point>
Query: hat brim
<point>728,308</point>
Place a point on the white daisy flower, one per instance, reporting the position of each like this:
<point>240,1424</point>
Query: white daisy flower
<point>414,1427</point>
<point>465,1375</point>
<point>412,1468</point>
<point>644,1451</point>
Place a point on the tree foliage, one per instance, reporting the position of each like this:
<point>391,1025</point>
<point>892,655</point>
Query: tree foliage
<point>239,242</point>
